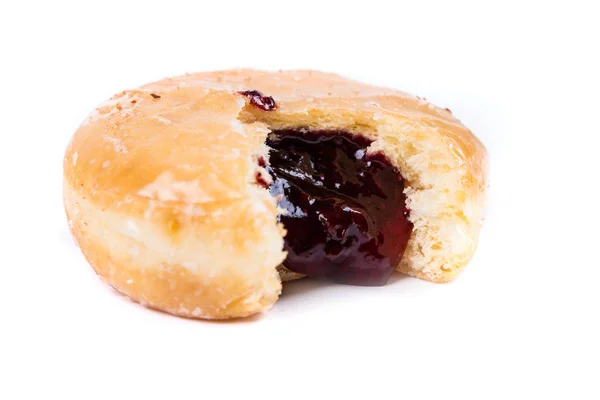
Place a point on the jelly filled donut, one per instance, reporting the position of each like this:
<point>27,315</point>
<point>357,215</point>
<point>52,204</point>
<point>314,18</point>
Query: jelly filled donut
<point>197,195</point>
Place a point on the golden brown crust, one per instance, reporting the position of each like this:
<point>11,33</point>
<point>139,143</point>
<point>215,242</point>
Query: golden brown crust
<point>160,184</point>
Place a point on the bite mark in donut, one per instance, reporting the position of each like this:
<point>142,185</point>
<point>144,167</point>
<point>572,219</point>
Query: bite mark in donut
<point>345,209</point>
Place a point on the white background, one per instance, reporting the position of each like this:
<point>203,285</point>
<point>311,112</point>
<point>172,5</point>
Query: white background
<point>520,322</point>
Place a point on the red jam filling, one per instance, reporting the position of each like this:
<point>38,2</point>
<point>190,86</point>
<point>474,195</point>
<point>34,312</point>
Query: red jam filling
<point>346,217</point>
<point>258,99</point>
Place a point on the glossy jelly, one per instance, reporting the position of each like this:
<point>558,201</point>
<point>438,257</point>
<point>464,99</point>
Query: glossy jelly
<point>346,211</point>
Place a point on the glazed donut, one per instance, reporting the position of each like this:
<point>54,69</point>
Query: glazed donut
<point>197,195</point>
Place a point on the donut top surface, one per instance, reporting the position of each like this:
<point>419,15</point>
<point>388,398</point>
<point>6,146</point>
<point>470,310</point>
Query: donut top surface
<point>154,142</point>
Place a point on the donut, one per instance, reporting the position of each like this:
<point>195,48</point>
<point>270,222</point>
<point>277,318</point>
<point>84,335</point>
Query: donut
<point>199,195</point>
